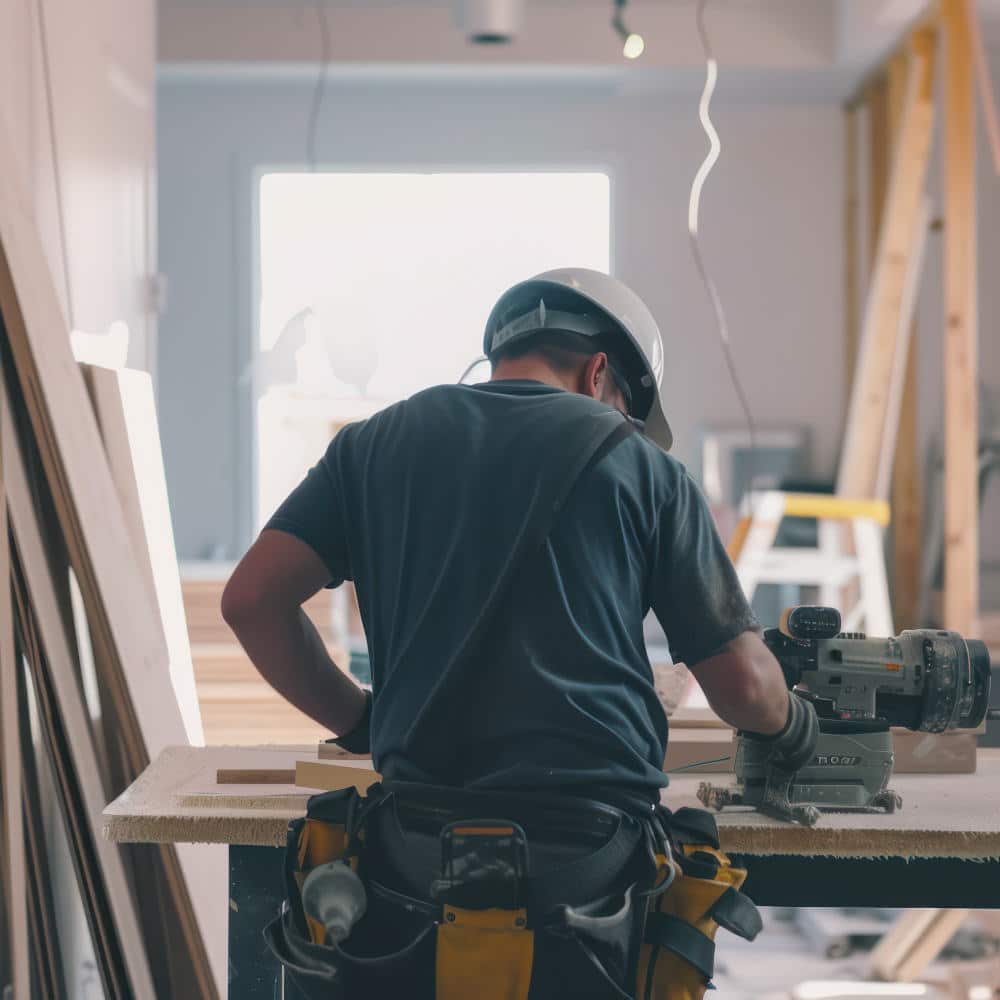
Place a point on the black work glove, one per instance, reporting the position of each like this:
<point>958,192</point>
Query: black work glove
<point>359,739</point>
<point>795,745</point>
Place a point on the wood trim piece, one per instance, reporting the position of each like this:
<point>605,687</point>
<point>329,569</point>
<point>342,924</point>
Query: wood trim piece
<point>961,431</point>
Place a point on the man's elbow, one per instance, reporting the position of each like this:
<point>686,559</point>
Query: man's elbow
<point>241,603</point>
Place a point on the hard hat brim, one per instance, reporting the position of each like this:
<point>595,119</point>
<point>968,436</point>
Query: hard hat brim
<point>656,428</point>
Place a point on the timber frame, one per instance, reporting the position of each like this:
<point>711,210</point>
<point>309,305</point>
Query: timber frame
<point>950,35</point>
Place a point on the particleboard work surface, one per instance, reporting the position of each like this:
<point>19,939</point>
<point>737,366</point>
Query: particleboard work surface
<point>178,800</point>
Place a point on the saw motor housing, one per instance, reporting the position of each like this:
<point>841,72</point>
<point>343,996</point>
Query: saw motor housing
<point>927,680</point>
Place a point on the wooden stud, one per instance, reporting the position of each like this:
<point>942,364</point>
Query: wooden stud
<point>13,859</point>
<point>851,203</point>
<point>961,431</point>
<point>907,494</point>
<point>867,415</point>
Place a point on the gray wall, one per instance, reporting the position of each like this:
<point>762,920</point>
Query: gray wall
<point>771,214</point>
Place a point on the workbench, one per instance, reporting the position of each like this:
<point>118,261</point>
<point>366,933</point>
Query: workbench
<point>941,850</point>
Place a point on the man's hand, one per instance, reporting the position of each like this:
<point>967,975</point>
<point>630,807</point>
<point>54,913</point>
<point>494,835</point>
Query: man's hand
<point>262,604</point>
<point>745,686</point>
<point>794,746</point>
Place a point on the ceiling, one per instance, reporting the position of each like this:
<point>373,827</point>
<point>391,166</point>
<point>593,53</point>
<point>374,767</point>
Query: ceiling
<point>801,47</point>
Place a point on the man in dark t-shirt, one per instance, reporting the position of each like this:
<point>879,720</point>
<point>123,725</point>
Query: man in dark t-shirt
<point>421,507</point>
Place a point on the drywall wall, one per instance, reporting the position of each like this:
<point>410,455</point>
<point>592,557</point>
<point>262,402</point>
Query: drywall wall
<point>771,219</point>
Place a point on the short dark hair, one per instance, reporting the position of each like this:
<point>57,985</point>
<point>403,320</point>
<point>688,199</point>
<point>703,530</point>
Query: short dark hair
<point>563,351</point>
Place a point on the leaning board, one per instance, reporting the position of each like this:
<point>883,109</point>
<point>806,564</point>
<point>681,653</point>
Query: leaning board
<point>129,645</point>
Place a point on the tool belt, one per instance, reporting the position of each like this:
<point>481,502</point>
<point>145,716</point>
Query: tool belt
<point>489,926</point>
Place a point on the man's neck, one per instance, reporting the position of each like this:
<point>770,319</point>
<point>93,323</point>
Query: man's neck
<point>530,370</point>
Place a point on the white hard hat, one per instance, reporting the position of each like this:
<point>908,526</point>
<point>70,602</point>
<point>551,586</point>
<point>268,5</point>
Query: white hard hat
<point>522,311</point>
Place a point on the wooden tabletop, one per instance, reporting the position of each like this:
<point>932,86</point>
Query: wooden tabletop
<point>177,800</point>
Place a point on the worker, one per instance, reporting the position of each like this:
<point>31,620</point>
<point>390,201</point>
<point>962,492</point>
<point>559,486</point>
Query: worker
<point>422,506</point>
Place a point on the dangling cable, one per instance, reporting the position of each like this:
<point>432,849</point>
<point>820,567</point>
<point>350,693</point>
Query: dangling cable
<point>694,204</point>
<point>321,77</point>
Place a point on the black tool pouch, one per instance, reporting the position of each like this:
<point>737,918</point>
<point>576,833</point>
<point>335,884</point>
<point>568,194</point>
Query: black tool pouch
<point>390,949</point>
<point>678,954</point>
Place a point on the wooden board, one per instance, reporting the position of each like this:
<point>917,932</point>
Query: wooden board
<point>255,776</point>
<point>906,492</point>
<point>867,415</point>
<point>851,203</point>
<point>41,905</point>
<point>953,816</point>
<point>69,715</point>
<point>129,646</point>
<point>323,775</point>
<point>126,414</point>
<point>961,390</point>
<point>11,816</point>
<point>913,942</point>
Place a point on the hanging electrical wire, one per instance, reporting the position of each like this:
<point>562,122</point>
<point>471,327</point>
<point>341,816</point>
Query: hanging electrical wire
<point>321,78</point>
<point>694,205</point>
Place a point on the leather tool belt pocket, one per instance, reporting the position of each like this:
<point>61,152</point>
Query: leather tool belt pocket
<point>486,927</point>
<point>677,958</point>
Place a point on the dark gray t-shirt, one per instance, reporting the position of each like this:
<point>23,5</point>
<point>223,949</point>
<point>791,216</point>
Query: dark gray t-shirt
<point>421,505</point>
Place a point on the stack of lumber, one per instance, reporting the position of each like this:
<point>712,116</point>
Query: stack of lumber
<point>238,707</point>
<point>91,604</point>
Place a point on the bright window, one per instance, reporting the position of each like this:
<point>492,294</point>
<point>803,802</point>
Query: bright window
<point>376,285</point>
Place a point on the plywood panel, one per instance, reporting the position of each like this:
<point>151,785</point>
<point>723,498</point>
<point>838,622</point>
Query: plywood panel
<point>126,413</point>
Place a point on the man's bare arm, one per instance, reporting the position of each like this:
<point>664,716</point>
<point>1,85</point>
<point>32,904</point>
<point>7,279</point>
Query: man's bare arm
<point>745,686</point>
<point>262,604</point>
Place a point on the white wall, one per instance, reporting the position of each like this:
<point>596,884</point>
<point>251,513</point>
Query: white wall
<point>772,221</point>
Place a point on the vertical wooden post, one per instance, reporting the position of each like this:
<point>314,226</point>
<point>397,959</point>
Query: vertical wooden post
<point>850,244</point>
<point>12,838</point>
<point>907,493</point>
<point>879,155</point>
<point>961,496</point>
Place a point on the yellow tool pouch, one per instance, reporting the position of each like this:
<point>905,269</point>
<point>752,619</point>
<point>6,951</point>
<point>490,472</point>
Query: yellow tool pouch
<point>486,954</point>
<point>677,958</point>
